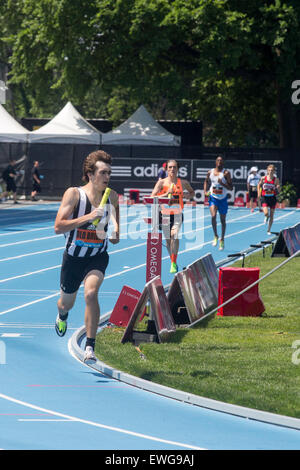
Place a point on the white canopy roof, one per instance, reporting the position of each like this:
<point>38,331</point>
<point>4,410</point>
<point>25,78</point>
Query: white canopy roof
<point>10,129</point>
<point>140,129</point>
<point>68,126</point>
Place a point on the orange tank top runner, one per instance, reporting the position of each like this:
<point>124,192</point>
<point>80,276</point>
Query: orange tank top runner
<point>268,187</point>
<point>176,202</point>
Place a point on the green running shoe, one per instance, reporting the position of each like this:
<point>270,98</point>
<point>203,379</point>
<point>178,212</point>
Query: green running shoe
<point>215,241</point>
<point>60,326</point>
<point>221,245</point>
<point>174,268</point>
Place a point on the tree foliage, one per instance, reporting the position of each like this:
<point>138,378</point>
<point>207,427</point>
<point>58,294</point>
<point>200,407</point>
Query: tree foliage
<point>228,62</point>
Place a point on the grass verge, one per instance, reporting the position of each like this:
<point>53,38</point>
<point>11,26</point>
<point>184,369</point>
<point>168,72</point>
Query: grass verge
<point>247,361</point>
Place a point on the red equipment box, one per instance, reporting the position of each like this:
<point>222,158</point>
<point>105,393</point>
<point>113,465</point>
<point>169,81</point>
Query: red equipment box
<point>231,282</point>
<point>124,307</point>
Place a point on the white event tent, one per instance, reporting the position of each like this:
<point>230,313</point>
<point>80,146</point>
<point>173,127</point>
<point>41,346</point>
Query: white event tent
<point>140,129</point>
<point>67,127</point>
<point>10,129</point>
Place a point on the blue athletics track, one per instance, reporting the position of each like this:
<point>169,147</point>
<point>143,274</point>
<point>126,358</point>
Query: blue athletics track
<point>51,400</point>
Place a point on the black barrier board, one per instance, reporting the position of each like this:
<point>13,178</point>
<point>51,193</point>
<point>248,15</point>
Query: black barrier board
<point>202,282</point>
<point>184,291</point>
<point>288,242</point>
<point>193,299</point>
<point>212,271</point>
<point>177,303</point>
<point>160,312</point>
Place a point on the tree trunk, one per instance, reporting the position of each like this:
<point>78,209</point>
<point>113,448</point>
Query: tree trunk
<point>288,116</point>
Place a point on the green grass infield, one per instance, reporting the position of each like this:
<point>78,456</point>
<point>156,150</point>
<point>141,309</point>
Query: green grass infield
<point>248,361</point>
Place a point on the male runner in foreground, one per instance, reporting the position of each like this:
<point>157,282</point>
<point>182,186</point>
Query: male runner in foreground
<point>219,181</point>
<point>172,187</point>
<point>85,258</point>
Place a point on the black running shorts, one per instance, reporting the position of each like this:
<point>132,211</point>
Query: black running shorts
<point>74,269</point>
<point>268,201</point>
<point>252,193</point>
<point>170,221</point>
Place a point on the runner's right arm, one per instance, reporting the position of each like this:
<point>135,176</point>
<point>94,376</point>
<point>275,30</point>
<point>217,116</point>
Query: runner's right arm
<point>115,216</point>
<point>157,189</point>
<point>206,183</point>
<point>69,201</point>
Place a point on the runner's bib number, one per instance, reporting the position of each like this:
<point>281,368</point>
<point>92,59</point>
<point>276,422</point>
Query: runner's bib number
<point>88,238</point>
<point>217,190</point>
<point>268,189</point>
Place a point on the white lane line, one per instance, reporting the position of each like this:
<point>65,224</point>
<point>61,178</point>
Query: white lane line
<point>26,291</point>
<point>25,220</point>
<point>40,291</point>
<point>126,270</point>
<point>99,425</point>
<point>58,265</point>
<point>10,335</point>
<point>110,253</point>
<point>192,248</point>
<point>232,234</point>
<point>62,247</point>
<point>37,239</point>
<point>25,325</point>
<point>29,241</point>
<point>31,254</point>
<point>48,327</point>
<point>49,420</point>
<point>30,274</point>
<point>30,303</point>
<point>29,230</point>
<point>26,231</point>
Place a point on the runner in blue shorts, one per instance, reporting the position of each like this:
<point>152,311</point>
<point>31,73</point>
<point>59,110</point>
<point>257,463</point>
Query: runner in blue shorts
<point>219,181</point>
<point>221,204</point>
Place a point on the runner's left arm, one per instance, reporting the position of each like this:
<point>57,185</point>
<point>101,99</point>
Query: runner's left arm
<point>188,188</point>
<point>206,184</point>
<point>115,216</point>
<point>228,185</point>
<point>157,189</point>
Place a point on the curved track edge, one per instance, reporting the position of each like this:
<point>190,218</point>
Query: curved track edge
<point>236,410</point>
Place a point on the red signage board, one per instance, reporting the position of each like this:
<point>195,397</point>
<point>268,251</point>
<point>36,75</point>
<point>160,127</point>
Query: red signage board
<point>153,265</point>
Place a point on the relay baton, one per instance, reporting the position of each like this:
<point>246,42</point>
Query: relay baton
<point>171,191</point>
<point>102,204</point>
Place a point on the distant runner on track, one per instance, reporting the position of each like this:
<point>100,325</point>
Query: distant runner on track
<point>216,184</point>
<point>268,188</point>
<point>171,216</point>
